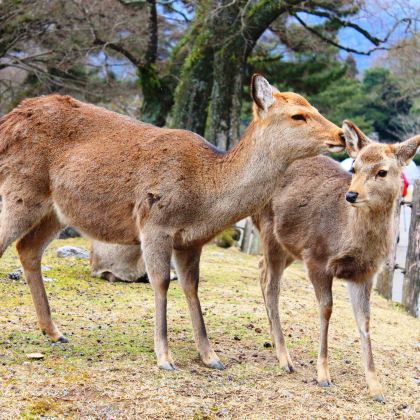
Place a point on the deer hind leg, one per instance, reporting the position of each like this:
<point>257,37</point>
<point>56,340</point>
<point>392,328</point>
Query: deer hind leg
<point>360,298</point>
<point>20,211</point>
<point>187,267</point>
<point>157,250</point>
<point>323,284</point>
<point>274,262</point>
<point>30,249</point>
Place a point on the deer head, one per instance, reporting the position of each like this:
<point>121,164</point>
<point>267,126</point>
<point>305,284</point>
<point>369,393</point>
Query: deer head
<point>305,132</point>
<point>377,167</point>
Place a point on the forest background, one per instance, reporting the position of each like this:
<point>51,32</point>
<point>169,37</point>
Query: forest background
<point>187,63</point>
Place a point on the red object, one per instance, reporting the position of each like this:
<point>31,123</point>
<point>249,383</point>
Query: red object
<point>405,184</point>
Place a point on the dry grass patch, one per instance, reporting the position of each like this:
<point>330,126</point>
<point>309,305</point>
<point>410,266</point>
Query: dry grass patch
<point>108,368</point>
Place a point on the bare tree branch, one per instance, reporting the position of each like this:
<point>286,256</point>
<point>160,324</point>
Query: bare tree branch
<point>152,42</point>
<point>171,8</point>
<point>345,23</point>
<point>334,43</point>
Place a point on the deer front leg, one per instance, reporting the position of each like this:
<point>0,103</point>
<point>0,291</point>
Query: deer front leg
<point>271,271</point>
<point>187,267</point>
<point>30,249</point>
<point>322,285</point>
<point>157,249</point>
<point>360,299</point>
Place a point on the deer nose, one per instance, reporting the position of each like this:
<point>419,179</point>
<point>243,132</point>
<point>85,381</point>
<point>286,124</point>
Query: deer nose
<point>351,196</point>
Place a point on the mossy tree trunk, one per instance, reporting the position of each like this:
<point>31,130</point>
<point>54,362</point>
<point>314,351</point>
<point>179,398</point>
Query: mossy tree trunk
<point>208,95</point>
<point>157,90</point>
<point>225,101</point>
<point>196,76</point>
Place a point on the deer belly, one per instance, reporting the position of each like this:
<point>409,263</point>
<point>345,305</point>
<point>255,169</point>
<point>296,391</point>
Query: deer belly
<point>98,222</point>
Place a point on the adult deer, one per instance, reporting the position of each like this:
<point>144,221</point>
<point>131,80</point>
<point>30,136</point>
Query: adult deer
<point>122,181</point>
<point>309,219</point>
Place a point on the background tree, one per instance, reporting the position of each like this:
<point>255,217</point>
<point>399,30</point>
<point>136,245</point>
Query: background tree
<point>183,63</point>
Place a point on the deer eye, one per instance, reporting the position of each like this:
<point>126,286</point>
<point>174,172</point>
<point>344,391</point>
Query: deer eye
<point>298,117</point>
<point>352,171</point>
<point>382,173</point>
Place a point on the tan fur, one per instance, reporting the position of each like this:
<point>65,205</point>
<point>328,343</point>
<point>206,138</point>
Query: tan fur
<point>122,181</point>
<point>309,219</point>
<point>116,262</point>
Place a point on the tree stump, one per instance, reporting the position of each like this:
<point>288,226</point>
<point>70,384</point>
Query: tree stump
<point>411,287</point>
<point>385,278</point>
<point>251,243</point>
<point>246,237</point>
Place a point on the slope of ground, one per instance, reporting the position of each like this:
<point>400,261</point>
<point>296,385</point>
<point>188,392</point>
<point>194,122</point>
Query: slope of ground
<point>108,370</point>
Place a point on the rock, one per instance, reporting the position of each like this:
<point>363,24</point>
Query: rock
<point>49,279</point>
<point>35,356</point>
<point>267,345</point>
<point>15,275</point>
<point>72,251</point>
<point>68,232</point>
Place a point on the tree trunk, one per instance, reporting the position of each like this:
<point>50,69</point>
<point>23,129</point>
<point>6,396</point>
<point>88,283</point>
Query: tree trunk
<point>247,234</point>
<point>196,75</point>
<point>411,288</point>
<point>157,95</point>
<point>211,80</point>
<point>157,91</point>
<point>385,278</point>
<point>225,102</point>
<point>193,91</point>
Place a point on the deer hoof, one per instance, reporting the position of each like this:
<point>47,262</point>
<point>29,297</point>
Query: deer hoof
<point>216,364</point>
<point>288,368</point>
<point>325,383</point>
<point>167,366</point>
<point>62,339</point>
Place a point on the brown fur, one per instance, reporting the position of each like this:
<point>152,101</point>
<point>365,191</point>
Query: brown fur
<point>309,219</point>
<point>122,181</point>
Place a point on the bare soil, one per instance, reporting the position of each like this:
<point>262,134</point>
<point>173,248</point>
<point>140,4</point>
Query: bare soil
<point>108,370</point>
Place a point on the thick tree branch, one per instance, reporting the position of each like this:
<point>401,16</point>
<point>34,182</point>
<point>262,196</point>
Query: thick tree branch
<point>257,18</point>
<point>118,48</point>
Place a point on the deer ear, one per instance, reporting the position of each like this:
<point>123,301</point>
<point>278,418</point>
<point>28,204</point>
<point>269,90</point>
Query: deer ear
<point>261,92</point>
<point>406,150</point>
<point>355,139</point>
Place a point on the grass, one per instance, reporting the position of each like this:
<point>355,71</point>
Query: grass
<point>108,370</point>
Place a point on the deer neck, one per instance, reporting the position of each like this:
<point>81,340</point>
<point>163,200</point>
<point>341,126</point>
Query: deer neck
<point>375,227</point>
<point>247,176</point>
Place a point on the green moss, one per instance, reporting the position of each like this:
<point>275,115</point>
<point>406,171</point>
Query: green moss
<point>228,238</point>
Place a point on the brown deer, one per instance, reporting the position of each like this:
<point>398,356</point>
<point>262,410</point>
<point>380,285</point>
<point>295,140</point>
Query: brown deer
<point>121,181</point>
<point>340,226</point>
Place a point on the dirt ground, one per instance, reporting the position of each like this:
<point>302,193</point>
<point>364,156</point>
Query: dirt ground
<point>108,370</point>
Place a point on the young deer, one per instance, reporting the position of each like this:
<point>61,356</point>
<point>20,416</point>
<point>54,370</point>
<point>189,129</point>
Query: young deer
<point>122,181</point>
<point>308,218</point>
